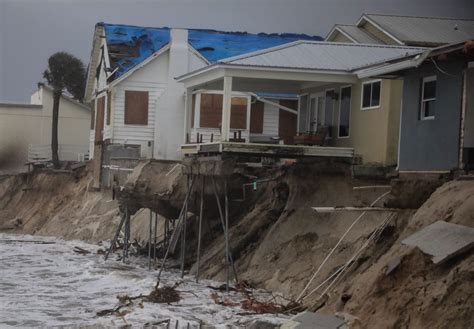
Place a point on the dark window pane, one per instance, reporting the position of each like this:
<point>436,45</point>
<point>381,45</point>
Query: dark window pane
<point>375,94</point>
<point>366,95</point>
<point>429,90</point>
<point>328,111</point>
<point>345,112</point>
<point>429,107</point>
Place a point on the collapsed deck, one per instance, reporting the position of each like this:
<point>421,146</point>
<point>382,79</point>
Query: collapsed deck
<point>266,150</point>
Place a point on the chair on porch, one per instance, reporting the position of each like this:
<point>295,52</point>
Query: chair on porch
<point>316,138</point>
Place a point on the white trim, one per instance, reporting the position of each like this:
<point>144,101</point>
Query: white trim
<point>370,82</point>
<point>198,54</point>
<point>332,111</point>
<point>422,100</point>
<point>197,110</point>
<point>344,33</point>
<point>350,110</point>
<point>315,96</point>
<point>391,36</point>
<point>215,66</point>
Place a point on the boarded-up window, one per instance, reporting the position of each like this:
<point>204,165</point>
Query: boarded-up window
<point>109,107</point>
<point>211,112</point>
<point>287,121</point>
<point>256,118</point>
<point>136,107</point>
<point>99,121</point>
<point>238,113</point>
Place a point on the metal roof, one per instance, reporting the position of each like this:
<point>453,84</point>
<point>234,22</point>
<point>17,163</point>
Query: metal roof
<point>358,34</point>
<point>329,56</point>
<point>413,30</point>
<point>130,45</point>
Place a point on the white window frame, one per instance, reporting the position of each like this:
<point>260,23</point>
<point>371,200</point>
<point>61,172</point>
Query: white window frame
<point>339,116</point>
<point>422,100</point>
<point>332,112</point>
<point>362,95</point>
<point>197,106</point>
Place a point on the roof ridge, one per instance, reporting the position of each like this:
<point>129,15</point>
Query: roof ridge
<point>298,42</point>
<point>424,17</point>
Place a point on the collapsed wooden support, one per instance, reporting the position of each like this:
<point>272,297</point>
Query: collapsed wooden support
<point>340,209</point>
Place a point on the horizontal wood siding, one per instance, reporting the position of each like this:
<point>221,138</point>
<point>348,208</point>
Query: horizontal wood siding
<point>135,133</point>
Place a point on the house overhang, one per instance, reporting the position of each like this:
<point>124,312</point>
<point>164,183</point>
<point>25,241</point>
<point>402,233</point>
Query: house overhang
<point>263,79</point>
<point>409,62</point>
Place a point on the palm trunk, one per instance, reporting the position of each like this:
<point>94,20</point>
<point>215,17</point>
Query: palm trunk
<point>54,129</point>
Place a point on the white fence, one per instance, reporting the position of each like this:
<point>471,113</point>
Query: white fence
<point>38,153</point>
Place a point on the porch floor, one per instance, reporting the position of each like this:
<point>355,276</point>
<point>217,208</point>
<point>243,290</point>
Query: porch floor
<point>267,150</point>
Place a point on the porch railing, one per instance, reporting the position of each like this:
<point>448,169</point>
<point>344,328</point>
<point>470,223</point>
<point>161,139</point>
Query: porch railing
<point>38,153</point>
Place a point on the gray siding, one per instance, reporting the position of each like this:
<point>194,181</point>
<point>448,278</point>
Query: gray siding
<point>431,144</point>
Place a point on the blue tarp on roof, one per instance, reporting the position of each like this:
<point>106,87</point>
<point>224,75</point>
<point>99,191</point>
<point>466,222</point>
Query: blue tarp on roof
<point>217,45</point>
<point>130,45</point>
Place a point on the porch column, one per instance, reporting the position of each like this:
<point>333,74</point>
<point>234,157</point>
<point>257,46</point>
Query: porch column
<point>187,113</point>
<point>226,105</point>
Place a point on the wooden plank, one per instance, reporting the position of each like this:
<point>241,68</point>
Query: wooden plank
<point>109,107</point>
<point>256,117</point>
<point>287,121</point>
<point>99,122</point>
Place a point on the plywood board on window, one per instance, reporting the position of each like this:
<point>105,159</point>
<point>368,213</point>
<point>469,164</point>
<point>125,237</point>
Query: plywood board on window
<point>136,107</point>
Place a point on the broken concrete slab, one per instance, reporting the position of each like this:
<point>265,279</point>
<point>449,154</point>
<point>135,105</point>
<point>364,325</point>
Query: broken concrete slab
<point>442,240</point>
<point>311,320</point>
<point>392,265</point>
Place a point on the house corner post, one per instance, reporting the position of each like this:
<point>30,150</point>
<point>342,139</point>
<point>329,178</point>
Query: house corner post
<point>226,106</point>
<point>187,114</point>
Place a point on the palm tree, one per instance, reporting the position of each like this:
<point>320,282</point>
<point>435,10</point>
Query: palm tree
<point>65,72</point>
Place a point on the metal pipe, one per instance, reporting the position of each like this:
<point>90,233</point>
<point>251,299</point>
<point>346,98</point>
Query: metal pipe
<point>155,233</point>
<point>183,241</point>
<point>226,234</point>
<point>201,206</point>
<point>219,207</point>
<point>149,239</point>
<point>174,232</point>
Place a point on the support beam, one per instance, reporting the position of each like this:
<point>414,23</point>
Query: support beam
<point>226,106</point>
<point>188,104</point>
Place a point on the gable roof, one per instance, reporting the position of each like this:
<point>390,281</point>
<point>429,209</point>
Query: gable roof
<point>330,56</point>
<point>130,45</point>
<point>426,31</point>
<point>355,33</point>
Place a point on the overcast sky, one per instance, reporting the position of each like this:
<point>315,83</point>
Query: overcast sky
<point>32,30</point>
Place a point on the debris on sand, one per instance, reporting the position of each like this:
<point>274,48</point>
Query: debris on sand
<point>81,251</point>
<point>165,295</point>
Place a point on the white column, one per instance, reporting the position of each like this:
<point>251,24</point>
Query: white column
<point>226,105</point>
<point>187,113</point>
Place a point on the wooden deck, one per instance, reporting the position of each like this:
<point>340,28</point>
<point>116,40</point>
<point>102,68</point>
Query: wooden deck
<point>266,150</point>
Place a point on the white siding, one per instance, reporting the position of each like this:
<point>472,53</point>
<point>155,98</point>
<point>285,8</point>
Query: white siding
<point>194,62</point>
<point>151,78</point>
